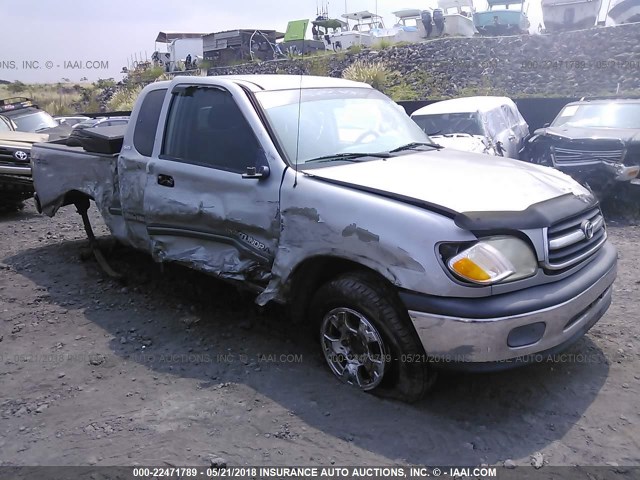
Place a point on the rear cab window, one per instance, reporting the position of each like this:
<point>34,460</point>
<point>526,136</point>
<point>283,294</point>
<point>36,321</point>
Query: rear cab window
<point>147,122</point>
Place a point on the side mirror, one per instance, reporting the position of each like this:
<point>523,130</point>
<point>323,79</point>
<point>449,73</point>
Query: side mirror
<point>257,172</point>
<point>546,125</point>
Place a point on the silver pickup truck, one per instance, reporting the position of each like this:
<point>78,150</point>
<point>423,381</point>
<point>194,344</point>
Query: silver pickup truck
<point>324,195</point>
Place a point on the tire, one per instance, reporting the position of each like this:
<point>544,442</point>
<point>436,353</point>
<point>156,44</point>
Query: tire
<point>367,339</point>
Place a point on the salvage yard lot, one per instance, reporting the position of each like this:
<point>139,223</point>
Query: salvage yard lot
<point>177,368</point>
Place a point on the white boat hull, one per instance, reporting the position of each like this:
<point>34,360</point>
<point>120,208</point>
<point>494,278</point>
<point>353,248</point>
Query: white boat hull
<point>455,25</point>
<point>345,40</point>
<point>625,11</point>
<point>458,25</point>
<point>575,16</point>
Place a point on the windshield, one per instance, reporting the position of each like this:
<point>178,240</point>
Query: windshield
<point>336,121</point>
<point>447,123</point>
<point>34,121</point>
<point>600,115</point>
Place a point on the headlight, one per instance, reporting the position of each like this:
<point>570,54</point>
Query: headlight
<point>493,260</point>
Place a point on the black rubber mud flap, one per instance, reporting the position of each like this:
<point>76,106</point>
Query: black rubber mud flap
<point>82,210</point>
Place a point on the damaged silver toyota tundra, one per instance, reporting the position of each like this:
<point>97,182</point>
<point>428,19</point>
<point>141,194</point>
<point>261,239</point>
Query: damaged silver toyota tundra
<point>322,194</point>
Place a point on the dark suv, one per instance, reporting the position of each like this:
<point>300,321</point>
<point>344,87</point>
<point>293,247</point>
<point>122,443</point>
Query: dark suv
<point>596,141</point>
<point>25,115</point>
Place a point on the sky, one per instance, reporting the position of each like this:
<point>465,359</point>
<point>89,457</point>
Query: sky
<point>48,41</point>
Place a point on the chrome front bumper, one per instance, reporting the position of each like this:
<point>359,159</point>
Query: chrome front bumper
<point>13,170</point>
<point>456,340</point>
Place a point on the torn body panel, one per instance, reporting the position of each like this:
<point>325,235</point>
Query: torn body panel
<point>132,173</point>
<point>59,170</point>
<point>212,219</point>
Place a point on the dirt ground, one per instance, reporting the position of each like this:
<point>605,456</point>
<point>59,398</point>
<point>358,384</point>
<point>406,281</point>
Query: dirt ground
<point>177,368</point>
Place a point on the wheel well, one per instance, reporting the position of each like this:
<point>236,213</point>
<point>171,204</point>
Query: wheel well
<point>79,199</point>
<point>314,272</point>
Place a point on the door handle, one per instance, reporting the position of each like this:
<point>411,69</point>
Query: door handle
<point>165,180</point>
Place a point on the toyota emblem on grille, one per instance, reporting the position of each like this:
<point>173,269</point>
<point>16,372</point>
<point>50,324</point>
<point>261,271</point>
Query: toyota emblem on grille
<point>20,155</point>
<point>587,229</point>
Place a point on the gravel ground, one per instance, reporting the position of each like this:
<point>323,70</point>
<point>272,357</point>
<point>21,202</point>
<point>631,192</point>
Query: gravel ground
<point>177,368</point>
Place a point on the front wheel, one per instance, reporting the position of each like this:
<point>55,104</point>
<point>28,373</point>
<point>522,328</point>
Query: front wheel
<point>367,338</point>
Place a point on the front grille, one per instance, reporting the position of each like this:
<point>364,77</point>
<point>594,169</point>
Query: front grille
<point>8,154</point>
<point>571,156</point>
<point>575,239</point>
<point>5,153</point>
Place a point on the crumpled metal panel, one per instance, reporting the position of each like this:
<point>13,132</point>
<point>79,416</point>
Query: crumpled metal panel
<point>392,238</point>
<point>58,170</point>
<point>220,260</point>
<point>216,221</point>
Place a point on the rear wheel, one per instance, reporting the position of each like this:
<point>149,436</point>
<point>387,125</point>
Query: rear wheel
<point>367,339</point>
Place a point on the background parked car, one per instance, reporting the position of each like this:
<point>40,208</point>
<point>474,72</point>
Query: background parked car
<point>15,163</point>
<point>71,120</point>
<point>25,115</point>
<point>595,141</point>
<point>490,125</point>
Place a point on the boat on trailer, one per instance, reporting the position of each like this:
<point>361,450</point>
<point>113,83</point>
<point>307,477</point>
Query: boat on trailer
<point>368,29</point>
<point>565,15</point>
<point>360,34</point>
<point>499,19</point>
<point>624,11</point>
<point>458,17</point>
<point>409,26</point>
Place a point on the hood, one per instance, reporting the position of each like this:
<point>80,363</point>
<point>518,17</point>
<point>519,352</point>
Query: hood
<point>20,138</point>
<point>461,141</point>
<point>458,181</point>
<point>626,135</point>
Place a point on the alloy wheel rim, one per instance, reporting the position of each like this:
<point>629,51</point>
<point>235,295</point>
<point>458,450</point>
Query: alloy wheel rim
<point>353,348</point>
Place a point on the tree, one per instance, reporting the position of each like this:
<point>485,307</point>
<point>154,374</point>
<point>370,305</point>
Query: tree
<point>16,87</point>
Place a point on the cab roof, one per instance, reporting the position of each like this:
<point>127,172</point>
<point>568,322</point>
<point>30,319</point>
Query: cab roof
<point>258,83</point>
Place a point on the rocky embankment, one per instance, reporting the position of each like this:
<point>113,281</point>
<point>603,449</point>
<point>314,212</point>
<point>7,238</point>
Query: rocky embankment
<point>597,61</point>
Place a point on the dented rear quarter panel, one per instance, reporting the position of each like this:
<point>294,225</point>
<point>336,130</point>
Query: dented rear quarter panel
<point>59,170</point>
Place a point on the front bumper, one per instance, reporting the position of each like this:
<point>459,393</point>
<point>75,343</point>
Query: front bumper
<point>510,329</point>
<point>16,184</point>
<point>608,170</point>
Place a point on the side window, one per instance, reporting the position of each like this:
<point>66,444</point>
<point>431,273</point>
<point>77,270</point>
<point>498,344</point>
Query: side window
<point>496,122</point>
<point>206,127</point>
<point>147,122</point>
<point>510,115</point>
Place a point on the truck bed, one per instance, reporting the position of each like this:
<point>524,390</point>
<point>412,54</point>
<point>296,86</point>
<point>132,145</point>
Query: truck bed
<point>62,169</point>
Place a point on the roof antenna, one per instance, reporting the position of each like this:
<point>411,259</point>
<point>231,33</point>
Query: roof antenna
<point>295,182</point>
